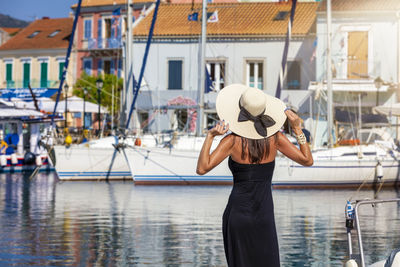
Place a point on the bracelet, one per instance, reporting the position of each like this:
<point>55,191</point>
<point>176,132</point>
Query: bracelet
<point>301,139</point>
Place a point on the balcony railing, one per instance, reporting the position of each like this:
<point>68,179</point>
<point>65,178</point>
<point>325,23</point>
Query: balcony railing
<point>102,43</point>
<point>346,68</point>
<point>33,83</point>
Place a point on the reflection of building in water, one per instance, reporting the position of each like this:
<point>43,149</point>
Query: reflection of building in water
<point>113,224</point>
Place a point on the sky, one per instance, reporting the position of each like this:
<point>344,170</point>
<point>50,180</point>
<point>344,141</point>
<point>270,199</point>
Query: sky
<point>30,10</point>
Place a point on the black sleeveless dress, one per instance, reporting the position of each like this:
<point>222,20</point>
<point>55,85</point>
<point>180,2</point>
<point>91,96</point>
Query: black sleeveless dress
<point>248,221</point>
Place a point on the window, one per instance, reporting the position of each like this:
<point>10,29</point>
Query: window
<point>43,74</point>
<point>175,74</point>
<point>87,66</point>
<point>255,74</point>
<point>99,66</point>
<point>217,74</point>
<point>61,65</point>
<point>9,80</point>
<point>107,28</point>
<point>293,75</point>
<point>33,34</point>
<point>87,34</point>
<point>26,74</point>
<point>54,33</point>
<point>107,66</point>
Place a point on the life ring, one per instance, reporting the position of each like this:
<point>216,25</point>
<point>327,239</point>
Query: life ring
<point>3,147</point>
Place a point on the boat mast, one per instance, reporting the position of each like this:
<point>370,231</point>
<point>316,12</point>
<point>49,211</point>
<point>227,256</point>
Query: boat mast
<point>128,67</point>
<point>201,76</point>
<point>329,71</point>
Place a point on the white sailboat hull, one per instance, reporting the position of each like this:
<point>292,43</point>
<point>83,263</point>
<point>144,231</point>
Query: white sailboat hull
<point>341,167</point>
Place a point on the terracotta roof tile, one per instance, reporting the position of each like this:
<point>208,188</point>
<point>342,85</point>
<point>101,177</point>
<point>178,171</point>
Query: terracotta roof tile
<point>93,3</point>
<point>42,40</point>
<point>362,5</point>
<point>11,30</point>
<point>238,19</point>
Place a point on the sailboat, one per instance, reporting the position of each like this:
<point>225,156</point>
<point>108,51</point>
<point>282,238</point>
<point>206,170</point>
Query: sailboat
<point>119,158</point>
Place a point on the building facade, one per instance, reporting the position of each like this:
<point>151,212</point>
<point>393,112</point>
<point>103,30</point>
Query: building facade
<point>36,55</point>
<point>244,45</point>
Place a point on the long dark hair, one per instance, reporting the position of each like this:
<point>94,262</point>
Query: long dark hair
<point>256,149</point>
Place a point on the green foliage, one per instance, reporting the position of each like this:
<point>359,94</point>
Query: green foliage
<point>109,80</point>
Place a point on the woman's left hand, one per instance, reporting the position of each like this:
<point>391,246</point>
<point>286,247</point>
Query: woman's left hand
<point>219,129</point>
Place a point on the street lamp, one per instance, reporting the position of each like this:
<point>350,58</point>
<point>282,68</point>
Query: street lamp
<point>99,85</point>
<point>84,107</point>
<point>66,104</point>
<point>378,84</point>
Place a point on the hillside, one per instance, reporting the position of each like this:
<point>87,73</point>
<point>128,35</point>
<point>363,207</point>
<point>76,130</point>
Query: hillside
<point>10,22</point>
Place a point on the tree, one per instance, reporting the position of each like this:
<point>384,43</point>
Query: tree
<point>109,81</point>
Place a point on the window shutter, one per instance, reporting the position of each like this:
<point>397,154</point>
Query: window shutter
<point>43,75</point>
<point>175,74</point>
<point>99,34</point>
<point>60,69</point>
<point>99,66</point>
<point>27,74</point>
<point>8,72</point>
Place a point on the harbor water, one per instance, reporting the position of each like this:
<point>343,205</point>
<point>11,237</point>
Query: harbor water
<point>45,222</point>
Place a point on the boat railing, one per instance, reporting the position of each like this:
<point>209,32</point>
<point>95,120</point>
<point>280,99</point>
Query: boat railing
<point>352,216</point>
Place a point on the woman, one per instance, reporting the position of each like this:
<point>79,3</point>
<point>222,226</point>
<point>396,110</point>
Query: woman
<point>255,120</point>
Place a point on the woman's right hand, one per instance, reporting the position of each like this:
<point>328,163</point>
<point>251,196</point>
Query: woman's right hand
<point>219,129</point>
<point>294,121</point>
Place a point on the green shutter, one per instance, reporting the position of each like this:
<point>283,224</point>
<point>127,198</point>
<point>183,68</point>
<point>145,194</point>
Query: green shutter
<point>43,75</point>
<point>8,72</point>
<point>9,80</point>
<point>27,74</point>
<point>60,69</point>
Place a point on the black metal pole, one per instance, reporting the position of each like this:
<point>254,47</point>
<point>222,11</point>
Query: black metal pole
<point>84,109</point>
<point>99,102</point>
<point>66,109</point>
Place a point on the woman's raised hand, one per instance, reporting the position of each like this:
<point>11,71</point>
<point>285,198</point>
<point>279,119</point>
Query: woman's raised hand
<point>219,129</point>
<point>294,120</point>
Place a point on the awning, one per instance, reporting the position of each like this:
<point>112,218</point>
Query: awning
<point>17,113</point>
<point>74,104</point>
<point>391,110</point>
<point>25,93</point>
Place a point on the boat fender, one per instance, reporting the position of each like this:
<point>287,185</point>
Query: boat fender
<point>14,159</point>
<point>38,161</point>
<point>393,259</point>
<point>3,147</point>
<point>29,158</point>
<point>3,160</point>
<point>379,170</point>
<point>351,263</point>
<point>138,142</point>
<point>68,140</point>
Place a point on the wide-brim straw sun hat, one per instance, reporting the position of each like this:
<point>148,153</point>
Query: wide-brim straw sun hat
<point>250,112</point>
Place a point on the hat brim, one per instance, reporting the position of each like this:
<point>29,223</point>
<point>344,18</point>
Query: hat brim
<point>227,105</point>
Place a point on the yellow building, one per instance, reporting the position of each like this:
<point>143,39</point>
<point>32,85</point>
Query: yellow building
<point>36,56</point>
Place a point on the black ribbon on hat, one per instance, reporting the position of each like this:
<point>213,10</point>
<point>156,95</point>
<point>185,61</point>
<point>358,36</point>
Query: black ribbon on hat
<point>261,122</point>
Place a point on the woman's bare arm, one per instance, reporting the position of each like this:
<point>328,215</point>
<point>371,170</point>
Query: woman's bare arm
<point>207,162</point>
<point>303,155</point>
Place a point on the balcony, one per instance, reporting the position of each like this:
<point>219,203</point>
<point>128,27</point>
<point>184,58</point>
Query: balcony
<point>102,43</point>
<point>33,83</point>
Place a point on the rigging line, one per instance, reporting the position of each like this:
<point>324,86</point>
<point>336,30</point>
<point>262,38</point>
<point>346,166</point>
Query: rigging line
<point>146,53</point>
<point>71,41</point>
<point>158,164</point>
<point>285,51</point>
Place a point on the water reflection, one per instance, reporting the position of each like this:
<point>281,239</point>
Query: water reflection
<point>46,222</point>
